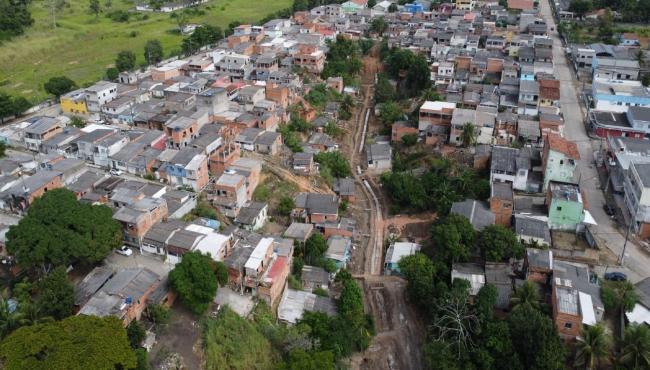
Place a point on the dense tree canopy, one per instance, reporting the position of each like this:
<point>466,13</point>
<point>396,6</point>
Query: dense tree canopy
<point>453,236</point>
<point>58,86</point>
<point>420,273</point>
<point>194,281</point>
<point>497,242</point>
<point>14,18</point>
<point>384,90</point>
<point>59,230</point>
<point>535,339</point>
<point>336,162</point>
<point>56,295</point>
<point>153,52</point>
<point>125,61</point>
<point>12,106</point>
<point>412,69</point>
<point>343,59</point>
<point>202,36</point>
<point>78,342</point>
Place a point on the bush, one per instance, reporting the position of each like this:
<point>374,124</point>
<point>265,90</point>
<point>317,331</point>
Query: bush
<point>119,16</point>
<point>321,292</point>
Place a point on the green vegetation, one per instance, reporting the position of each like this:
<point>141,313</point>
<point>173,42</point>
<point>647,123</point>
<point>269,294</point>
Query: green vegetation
<point>497,243</point>
<point>285,206</point>
<point>78,342</point>
<point>410,70</point>
<point>453,237</point>
<point>12,106</point>
<point>232,342</point>
<point>592,347</point>
<point>204,35</point>
<point>443,184</point>
<point>635,348</point>
<point>56,295</point>
<point>320,94</point>
<point>384,90</point>
<point>136,333</point>
<point>195,282</point>
<point>59,230</point>
<point>153,52</point>
<point>125,60</point>
<point>290,138</point>
<point>14,18</point>
<point>58,86</point>
<point>343,59</point>
<point>82,46</point>
<point>333,165</point>
<point>618,295</point>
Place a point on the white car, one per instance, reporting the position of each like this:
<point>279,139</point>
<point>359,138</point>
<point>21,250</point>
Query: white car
<point>116,172</point>
<point>124,250</point>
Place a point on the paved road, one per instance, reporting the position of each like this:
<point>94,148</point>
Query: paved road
<point>637,262</point>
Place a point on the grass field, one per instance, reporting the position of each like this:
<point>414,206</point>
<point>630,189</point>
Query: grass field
<point>83,46</point>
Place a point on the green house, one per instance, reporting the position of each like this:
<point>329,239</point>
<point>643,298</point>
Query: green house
<point>565,206</point>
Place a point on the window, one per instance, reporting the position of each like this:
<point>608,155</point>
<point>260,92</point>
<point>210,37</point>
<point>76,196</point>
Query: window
<point>568,325</point>
<point>559,208</point>
<point>561,161</point>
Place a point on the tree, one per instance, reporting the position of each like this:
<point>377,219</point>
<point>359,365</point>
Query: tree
<point>286,205</point>
<point>378,25</point>
<point>606,27</point>
<point>56,295</point>
<point>619,295</point>
<point>535,339</point>
<point>181,20</point>
<point>136,333</point>
<point>372,3</point>
<point>384,90</point>
<point>125,61</point>
<point>221,273</point>
<point>526,295</point>
<point>390,112</point>
<point>20,105</point>
<point>159,314</point>
<point>392,8</point>
<point>12,106</point>
<point>345,109</point>
<point>112,73</point>
<point>59,230</point>
<point>591,347</point>
<point>409,139</point>
<point>580,7</point>
<point>14,18</point>
<point>486,300</point>
<point>77,342</point>
<point>299,359</point>
<point>468,135</point>
<point>635,348</point>
<point>142,359</point>
<point>336,162</point>
<point>58,86</point>
<point>78,122</point>
<point>3,148</point>
<point>456,324</point>
<point>454,237</point>
<point>95,8</point>
<point>497,242</point>
<point>315,248</point>
<point>153,52</point>
<point>194,281</point>
<point>419,272</point>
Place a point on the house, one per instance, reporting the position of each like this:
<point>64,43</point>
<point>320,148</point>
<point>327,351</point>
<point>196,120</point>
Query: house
<point>303,163</point>
<point>619,95</point>
<point>566,208</point>
<point>380,158</point>
<point>435,114</point>
<point>628,39</point>
<point>99,94</point>
<point>230,194</point>
<point>310,58</point>
<point>74,102</point>
<point>345,189</point>
<point>465,4</point>
<point>538,265</point>
<point>637,197</point>
<point>253,216</point>
<point>339,250</point>
<point>549,92</point>
<point>314,278</point>
<point>181,131</point>
<point>138,218</point>
<point>528,97</point>
<point>124,295</point>
<point>520,4</point>
<point>401,129</point>
<point>641,312</point>
<point>559,159</point>
<point>501,202</point>
<point>247,138</point>
<point>268,143</point>
<point>343,227</point>
<point>396,251</point>
<point>107,147</point>
<point>635,123</point>
<point>299,231</point>
<point>315,208</point>
<point>273,280</point>
<point>500,275</point>
<point>472,273</point>
<point>295,302</point>
<point>322,142</point>
<point>605,68</point>
<point>39,130</point>
<point>187,167</point>
<point>533,229</point>
<point>576,299</point>
<point>20,196</point>
<point>478,213</point>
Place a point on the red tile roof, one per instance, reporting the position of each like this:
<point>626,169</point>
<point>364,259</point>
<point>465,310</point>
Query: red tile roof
<point>562,145</point>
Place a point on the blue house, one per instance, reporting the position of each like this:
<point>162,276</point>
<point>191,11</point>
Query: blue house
<point>396,252</point>
<point>338,250</point>
<point>414,7</point>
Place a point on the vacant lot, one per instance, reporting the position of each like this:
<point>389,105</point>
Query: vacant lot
<point>82,46</point>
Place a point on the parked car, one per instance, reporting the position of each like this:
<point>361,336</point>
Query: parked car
<point>615,276</point>
<point>116,172</point>
<point>609,210</point>
<point>124,250</point>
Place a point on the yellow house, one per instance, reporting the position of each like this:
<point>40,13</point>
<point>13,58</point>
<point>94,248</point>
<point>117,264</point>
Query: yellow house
<point>74,102</point>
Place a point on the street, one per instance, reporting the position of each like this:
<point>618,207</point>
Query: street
<point>637,263</point>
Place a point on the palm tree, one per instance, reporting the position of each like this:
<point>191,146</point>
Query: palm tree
<point>526,294</point>
<point>640,57</point>
<point>635,349</point>
<point>31,314</point>
<point>468,136</point>
<point>592,347</point>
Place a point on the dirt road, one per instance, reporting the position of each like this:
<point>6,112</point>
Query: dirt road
<point>400,333</point>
